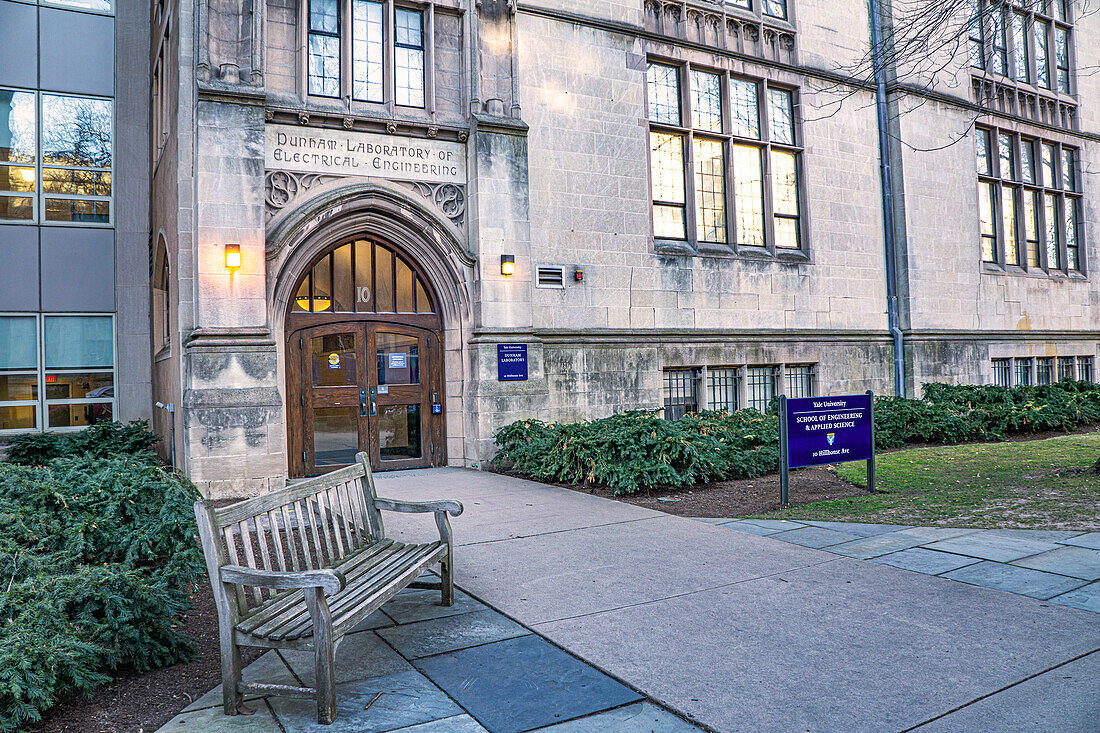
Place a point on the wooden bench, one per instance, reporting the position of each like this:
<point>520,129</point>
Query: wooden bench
<point>301,567</point>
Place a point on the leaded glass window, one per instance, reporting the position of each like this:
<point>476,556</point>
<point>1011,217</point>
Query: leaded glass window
<point>324,48</point>
<point>706,101</point>
<point>745,108</point>
<point>664,94</point>
<point>367,50</point>
<point>409,57</point>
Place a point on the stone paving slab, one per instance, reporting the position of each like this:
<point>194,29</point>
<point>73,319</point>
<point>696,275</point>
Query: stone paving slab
<point>1064,700</point>
<point>269,669</point>
<point>935,534</point>
<point>376,620</point>
<point>1023,581</point>
<point>749,527</point>
<point>525,683</point>
<point>641,717</point>
<point>778,525</point>
<point>213,720</point>
<point>421,605</point>
<point>1090,540</point>
<point>816,537</point>
<point>407,698</point>
<point>871,547</point>
<point>1041,535</point>
<point>457,724</point>
<point>1086,597</point>
<point>449,633</point>
<point>863,529</point>
<point>988,546</point>
<point>1077,562</point>
<point>358,657</point>
<point>929,562</point>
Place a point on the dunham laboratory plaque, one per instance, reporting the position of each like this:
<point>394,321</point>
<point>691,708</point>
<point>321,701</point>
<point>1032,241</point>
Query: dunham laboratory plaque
<point>347,153</point>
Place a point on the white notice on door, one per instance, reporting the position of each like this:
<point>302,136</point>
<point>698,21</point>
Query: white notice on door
<point>399,360</point>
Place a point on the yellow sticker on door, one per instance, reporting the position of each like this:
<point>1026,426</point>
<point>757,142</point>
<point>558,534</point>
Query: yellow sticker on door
<point>333,361</point>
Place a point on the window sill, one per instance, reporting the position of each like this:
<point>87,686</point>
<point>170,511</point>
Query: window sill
<point>684,248</point>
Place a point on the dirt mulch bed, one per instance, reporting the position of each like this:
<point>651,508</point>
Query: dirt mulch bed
<point>743,497</point>
<point>142,702</point>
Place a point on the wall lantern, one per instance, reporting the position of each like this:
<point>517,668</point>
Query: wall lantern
<point>507,265</point>
<point>232,256</point>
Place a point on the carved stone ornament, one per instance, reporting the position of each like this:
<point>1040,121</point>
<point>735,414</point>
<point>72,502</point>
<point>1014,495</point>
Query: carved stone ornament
<point>348,122</point>
<point>433,131</point>
<point>391,128</point>
<point>281,188</point>
<point>303,118</point>
<point>269,114</point>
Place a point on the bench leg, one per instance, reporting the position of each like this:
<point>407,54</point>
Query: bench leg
<point>324,656</point>
<point>448,584</point>
<point>232,699</point>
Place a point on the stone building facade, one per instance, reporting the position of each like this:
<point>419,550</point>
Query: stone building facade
<point>396,226</point>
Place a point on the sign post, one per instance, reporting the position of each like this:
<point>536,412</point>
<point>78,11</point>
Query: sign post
<point>814,431</point>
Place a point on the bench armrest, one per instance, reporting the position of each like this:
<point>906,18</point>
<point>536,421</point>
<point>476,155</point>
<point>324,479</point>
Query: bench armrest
<point>331,581</point>
<point>454,508</point>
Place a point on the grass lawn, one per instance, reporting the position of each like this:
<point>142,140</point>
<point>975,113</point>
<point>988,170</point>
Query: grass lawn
<point>1037,484</point>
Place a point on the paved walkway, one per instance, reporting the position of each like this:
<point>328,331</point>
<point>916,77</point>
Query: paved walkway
<point>1060,566</point>
<point>734,630</point>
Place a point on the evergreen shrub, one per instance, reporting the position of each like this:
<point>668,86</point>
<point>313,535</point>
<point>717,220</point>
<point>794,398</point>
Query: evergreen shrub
<point>98,440</point>
<point>97,558</point>
<point>638,451</point>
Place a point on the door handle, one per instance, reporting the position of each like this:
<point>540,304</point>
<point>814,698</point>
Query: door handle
<point>373,402</point>
<point>362,403</point>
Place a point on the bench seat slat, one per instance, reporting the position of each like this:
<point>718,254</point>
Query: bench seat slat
<point>380,572</point>
<point>294,621</point>
<point>262,614</point>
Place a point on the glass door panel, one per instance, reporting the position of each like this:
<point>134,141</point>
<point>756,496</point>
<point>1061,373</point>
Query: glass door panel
<point>334,362</point>
<point>398,358</point>
<point>335,435</point>
<point>399,432</point>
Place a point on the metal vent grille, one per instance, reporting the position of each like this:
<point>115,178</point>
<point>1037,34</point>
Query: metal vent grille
<point>551,276</point>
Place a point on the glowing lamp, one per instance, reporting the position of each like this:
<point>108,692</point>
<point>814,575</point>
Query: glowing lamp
<point>232,256</point>
<point>507,265</point>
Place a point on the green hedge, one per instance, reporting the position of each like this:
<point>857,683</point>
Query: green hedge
<point>638,451</point>
<point>97,559</point>
<point>99,441</point>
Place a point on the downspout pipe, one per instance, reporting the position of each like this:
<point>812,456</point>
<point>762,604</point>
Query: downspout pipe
<point>885,171</point>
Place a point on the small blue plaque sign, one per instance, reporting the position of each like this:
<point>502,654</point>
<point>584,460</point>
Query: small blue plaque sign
<point>511,362</point>
<point>824,430</point>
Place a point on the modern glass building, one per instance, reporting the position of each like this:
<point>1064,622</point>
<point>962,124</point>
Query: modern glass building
<point>74,283</point>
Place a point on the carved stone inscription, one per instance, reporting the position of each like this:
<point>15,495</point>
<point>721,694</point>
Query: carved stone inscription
<point>347,153</point>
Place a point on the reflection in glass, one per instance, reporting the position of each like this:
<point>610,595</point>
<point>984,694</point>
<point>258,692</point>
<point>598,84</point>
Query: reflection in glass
<point>399,432</point>
<point>1042,53</point>
<point>324,48</point>
<point>91,385</point>
<point>103,6</point>
<point>17,129</point>
<point>663,89</point>
<point>1031,227</point>
<point>16,387</point>
<point>404,287</point>
<point>383,280</point>
<point>366,50</point>
<point>333,360</point>
<point>322,285</point>
<point>1069,207</point>
<point>985,219</point>
<point>78,416</point>
<point>1008,215</point>
<point>710,190</point>
<point>423,302</point>
<point>18,417</point>
<point>667,163</point>
<point>335,435</point>
<point>79,342</point>
<point>1027,161</point>
<point>981,144</point>
<point>781,116</point>
<point>745,108</point>
<point>364,268</point>
<point>1004,152</point>
<point>1069,180</point>
<point>748,192</point>
<point>398,358</point>
<point>343,297</point>
<point>1050,214</point>
<point>18,342</point>
<point>76,131</point>
<point>706,101</point>
<point>785,199</point>
<point>409,57</point>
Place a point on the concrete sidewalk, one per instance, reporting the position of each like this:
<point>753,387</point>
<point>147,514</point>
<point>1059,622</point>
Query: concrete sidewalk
<point>743,632</point>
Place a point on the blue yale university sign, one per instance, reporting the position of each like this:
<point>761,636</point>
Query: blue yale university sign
<point>511,362</point>
<point>815,431</point>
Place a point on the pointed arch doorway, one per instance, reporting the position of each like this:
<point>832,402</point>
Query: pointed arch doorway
<point>364,362</point>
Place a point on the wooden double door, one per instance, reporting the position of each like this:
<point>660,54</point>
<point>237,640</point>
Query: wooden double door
<point>364,386</point>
